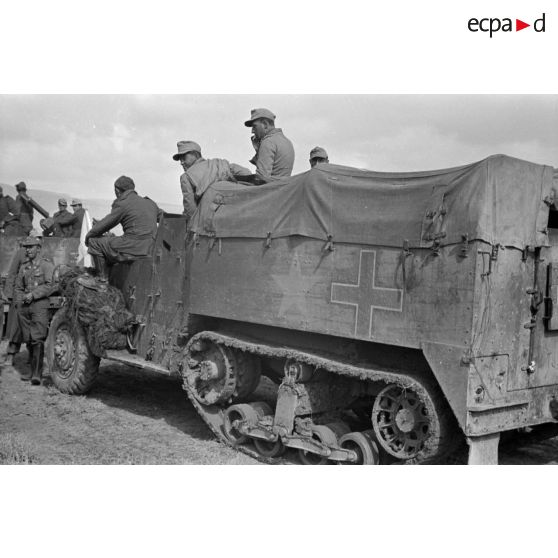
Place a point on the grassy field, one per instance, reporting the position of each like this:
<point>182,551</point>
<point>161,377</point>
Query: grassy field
<point>129,417</point>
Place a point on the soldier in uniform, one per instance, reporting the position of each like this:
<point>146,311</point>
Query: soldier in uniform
<point>138,217</point>
<point>9,215</point>
<point>318,155</point>
<point>32,288</point>
<point>200,173</point>
<point>25,208</point>
<point>78,213</point>
<point>275,155</point>
<point>63,219</point>
<point>13,329</point>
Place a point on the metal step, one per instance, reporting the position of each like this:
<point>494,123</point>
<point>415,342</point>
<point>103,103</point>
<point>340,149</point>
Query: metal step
<point>136,361</point>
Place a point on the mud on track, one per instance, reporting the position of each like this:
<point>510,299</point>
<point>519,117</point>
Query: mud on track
<point>134,417</point>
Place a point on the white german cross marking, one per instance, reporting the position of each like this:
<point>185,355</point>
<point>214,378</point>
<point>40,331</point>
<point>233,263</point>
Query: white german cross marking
<point>365,296</point>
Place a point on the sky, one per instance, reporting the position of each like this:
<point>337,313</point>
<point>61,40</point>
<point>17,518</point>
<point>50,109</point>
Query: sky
<point>79,144</point>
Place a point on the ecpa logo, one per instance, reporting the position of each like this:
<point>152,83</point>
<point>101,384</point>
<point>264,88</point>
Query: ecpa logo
<point>492,25</point>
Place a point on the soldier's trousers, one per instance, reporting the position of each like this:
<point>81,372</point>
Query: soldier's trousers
<point>33,320</point>
<point>13,330</point>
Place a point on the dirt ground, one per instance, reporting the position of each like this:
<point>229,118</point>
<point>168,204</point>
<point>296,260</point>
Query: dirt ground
<point>129,417</point>
<point>132,417</point>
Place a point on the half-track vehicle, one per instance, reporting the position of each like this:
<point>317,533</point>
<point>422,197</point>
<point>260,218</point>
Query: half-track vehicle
<point>353,316</point>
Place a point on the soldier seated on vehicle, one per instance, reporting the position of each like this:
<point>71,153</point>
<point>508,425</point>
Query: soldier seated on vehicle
<point>9,215</point>
<point>79,212</point>
<point>33,286</point>
<point>61,223</point>
<point>200,173</point>
<point>138,217</point>
<point>318,155</point>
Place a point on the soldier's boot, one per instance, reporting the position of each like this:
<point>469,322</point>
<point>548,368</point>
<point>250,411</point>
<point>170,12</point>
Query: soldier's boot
<point>27,376</point>
<point>7,359</point>
<point>99,282</point>
<point>102,269</point>
<point>37,364</point>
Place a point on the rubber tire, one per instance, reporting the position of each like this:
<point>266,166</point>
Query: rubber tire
<point>324,434</point>
<point>366,445</point>
<point>86,364</point>
<point>269,449</point>
<point>243,411</point>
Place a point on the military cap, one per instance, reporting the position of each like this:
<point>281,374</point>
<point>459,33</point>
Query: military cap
<point>20,186</point>
<point>124,183</point>
<point>31,241</point>
<point>76,202</point>
<point>318,153</point>
<point>184,147</point>
<point>62,201</point>
<point>259,113</point>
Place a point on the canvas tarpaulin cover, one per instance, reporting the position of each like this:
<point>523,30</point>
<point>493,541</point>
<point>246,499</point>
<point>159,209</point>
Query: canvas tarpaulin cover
<point>499,200</point>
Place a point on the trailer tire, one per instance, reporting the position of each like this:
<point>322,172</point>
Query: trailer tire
<point>73,367</point>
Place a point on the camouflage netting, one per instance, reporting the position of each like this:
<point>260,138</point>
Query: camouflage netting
<point>101,312</point>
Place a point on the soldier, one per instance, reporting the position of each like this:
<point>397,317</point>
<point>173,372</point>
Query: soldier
<point>25,208</point>
<point>275,156</point>
<point>64,219</point>
<point>138,217</point>
<point>318,155</point>
<point>13,329</point>
<point>9,215</point>
<point>79,212</point>
<point>33,286</point>
<point>200,173</point>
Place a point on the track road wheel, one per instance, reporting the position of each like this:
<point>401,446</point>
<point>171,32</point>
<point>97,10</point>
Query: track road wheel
<point>73,367</point>
<point>402,422</point>
<point>364,445</point>
<point>329,435</point>
<point>210,375</point>
<point>269,449</point>
<point>251,412</point>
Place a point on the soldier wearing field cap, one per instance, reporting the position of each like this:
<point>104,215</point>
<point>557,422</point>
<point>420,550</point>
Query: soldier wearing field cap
<point>200,174</point>
<point>9,215</point>
<point>78,213</point>
<point>275,156</point>
<point>25,208</point>
<point>33,286</point>
<point>61,223</point>
<point>318,155</point>
<point>138,217</point>
<point>13,329</point>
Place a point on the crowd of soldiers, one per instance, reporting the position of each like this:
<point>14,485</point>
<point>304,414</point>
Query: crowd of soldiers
<point>16,216</point>
<point>274,160</point>
<point>30,280</point>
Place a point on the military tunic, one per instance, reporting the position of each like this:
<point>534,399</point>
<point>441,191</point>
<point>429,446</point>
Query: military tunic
<point>274,157</point>
<point>201,175</point>
<point>138,217</point>
<point>13,330</point>
<point>35,277</point>
<point>64,223</point>
<point>78,220</point>
<point>9,216</point>
<point>25,214</point>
